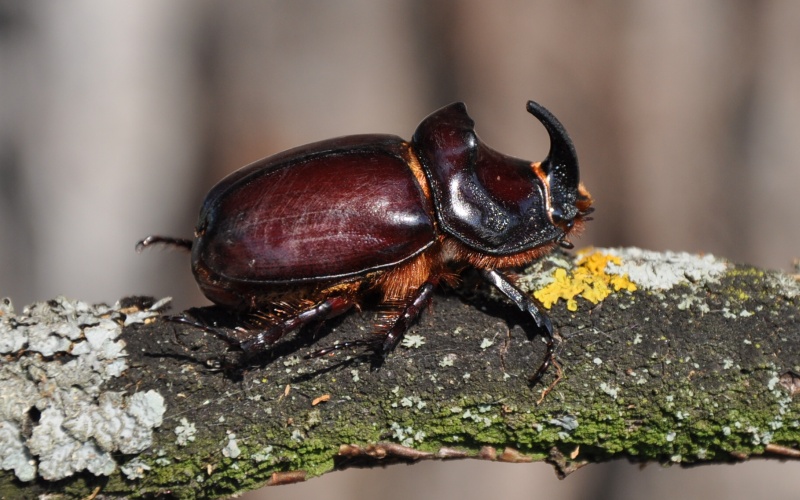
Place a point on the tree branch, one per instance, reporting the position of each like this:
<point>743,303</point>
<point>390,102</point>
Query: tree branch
<point>666,357</point>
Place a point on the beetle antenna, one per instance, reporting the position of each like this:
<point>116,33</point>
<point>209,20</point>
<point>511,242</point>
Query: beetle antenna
<point>562,160</point>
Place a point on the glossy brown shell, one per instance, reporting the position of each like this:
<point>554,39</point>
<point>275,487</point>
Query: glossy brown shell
<point>329,210</point>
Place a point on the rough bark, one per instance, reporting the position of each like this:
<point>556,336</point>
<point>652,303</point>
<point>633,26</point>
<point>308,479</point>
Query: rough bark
<point>702,368</point>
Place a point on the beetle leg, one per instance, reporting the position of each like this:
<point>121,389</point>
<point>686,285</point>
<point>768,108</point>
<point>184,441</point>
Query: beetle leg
<point>388,341</point>
<point>566,244</point>
<point>151,240</point>
<point>341,345</point>
<point>326,309</point>
<point>413,307</point>
<point>526,304</point>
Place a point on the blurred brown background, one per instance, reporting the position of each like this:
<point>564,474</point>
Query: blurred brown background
<point>117,117</point>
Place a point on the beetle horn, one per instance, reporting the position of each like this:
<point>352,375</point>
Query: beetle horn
<point>561,163</point>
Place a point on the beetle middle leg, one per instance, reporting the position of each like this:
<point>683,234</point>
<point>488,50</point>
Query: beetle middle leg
<point>526,304</point>
<point>394,325</point>
<point>328,308</point>
<point>410,311</point>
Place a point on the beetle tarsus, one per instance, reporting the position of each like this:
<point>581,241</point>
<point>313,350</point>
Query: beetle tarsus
<point>373,344</point>
<point>182,243</point>
<point>549,358</point>
<point>188,321</point>
<point>526,304</point>
<point>196,323</point>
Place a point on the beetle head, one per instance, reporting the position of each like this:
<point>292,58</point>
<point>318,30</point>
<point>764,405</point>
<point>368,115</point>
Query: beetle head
<point>494,203</point>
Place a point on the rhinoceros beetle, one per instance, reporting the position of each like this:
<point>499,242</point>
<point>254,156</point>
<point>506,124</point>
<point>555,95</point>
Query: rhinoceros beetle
<point>303,235</point>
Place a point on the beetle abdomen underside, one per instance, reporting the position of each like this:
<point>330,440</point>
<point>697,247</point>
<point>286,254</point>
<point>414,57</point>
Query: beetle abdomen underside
<point>335,215</point>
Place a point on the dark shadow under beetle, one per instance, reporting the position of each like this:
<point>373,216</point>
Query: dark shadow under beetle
<point>227,325</point>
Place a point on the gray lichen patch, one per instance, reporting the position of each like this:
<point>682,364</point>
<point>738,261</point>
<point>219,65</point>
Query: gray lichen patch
<point>784,285</point>
<point>185,432</point>
<point>664,270</point>
<point>55,417</point>
<point>231,449</point>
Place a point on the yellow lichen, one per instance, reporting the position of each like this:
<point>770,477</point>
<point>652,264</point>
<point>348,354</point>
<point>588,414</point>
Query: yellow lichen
<point>588,280</point>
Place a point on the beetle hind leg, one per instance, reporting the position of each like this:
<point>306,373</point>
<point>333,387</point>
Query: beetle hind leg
<point>181,243</point>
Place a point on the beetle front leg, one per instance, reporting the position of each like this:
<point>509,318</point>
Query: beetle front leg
<point>525,304</point>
